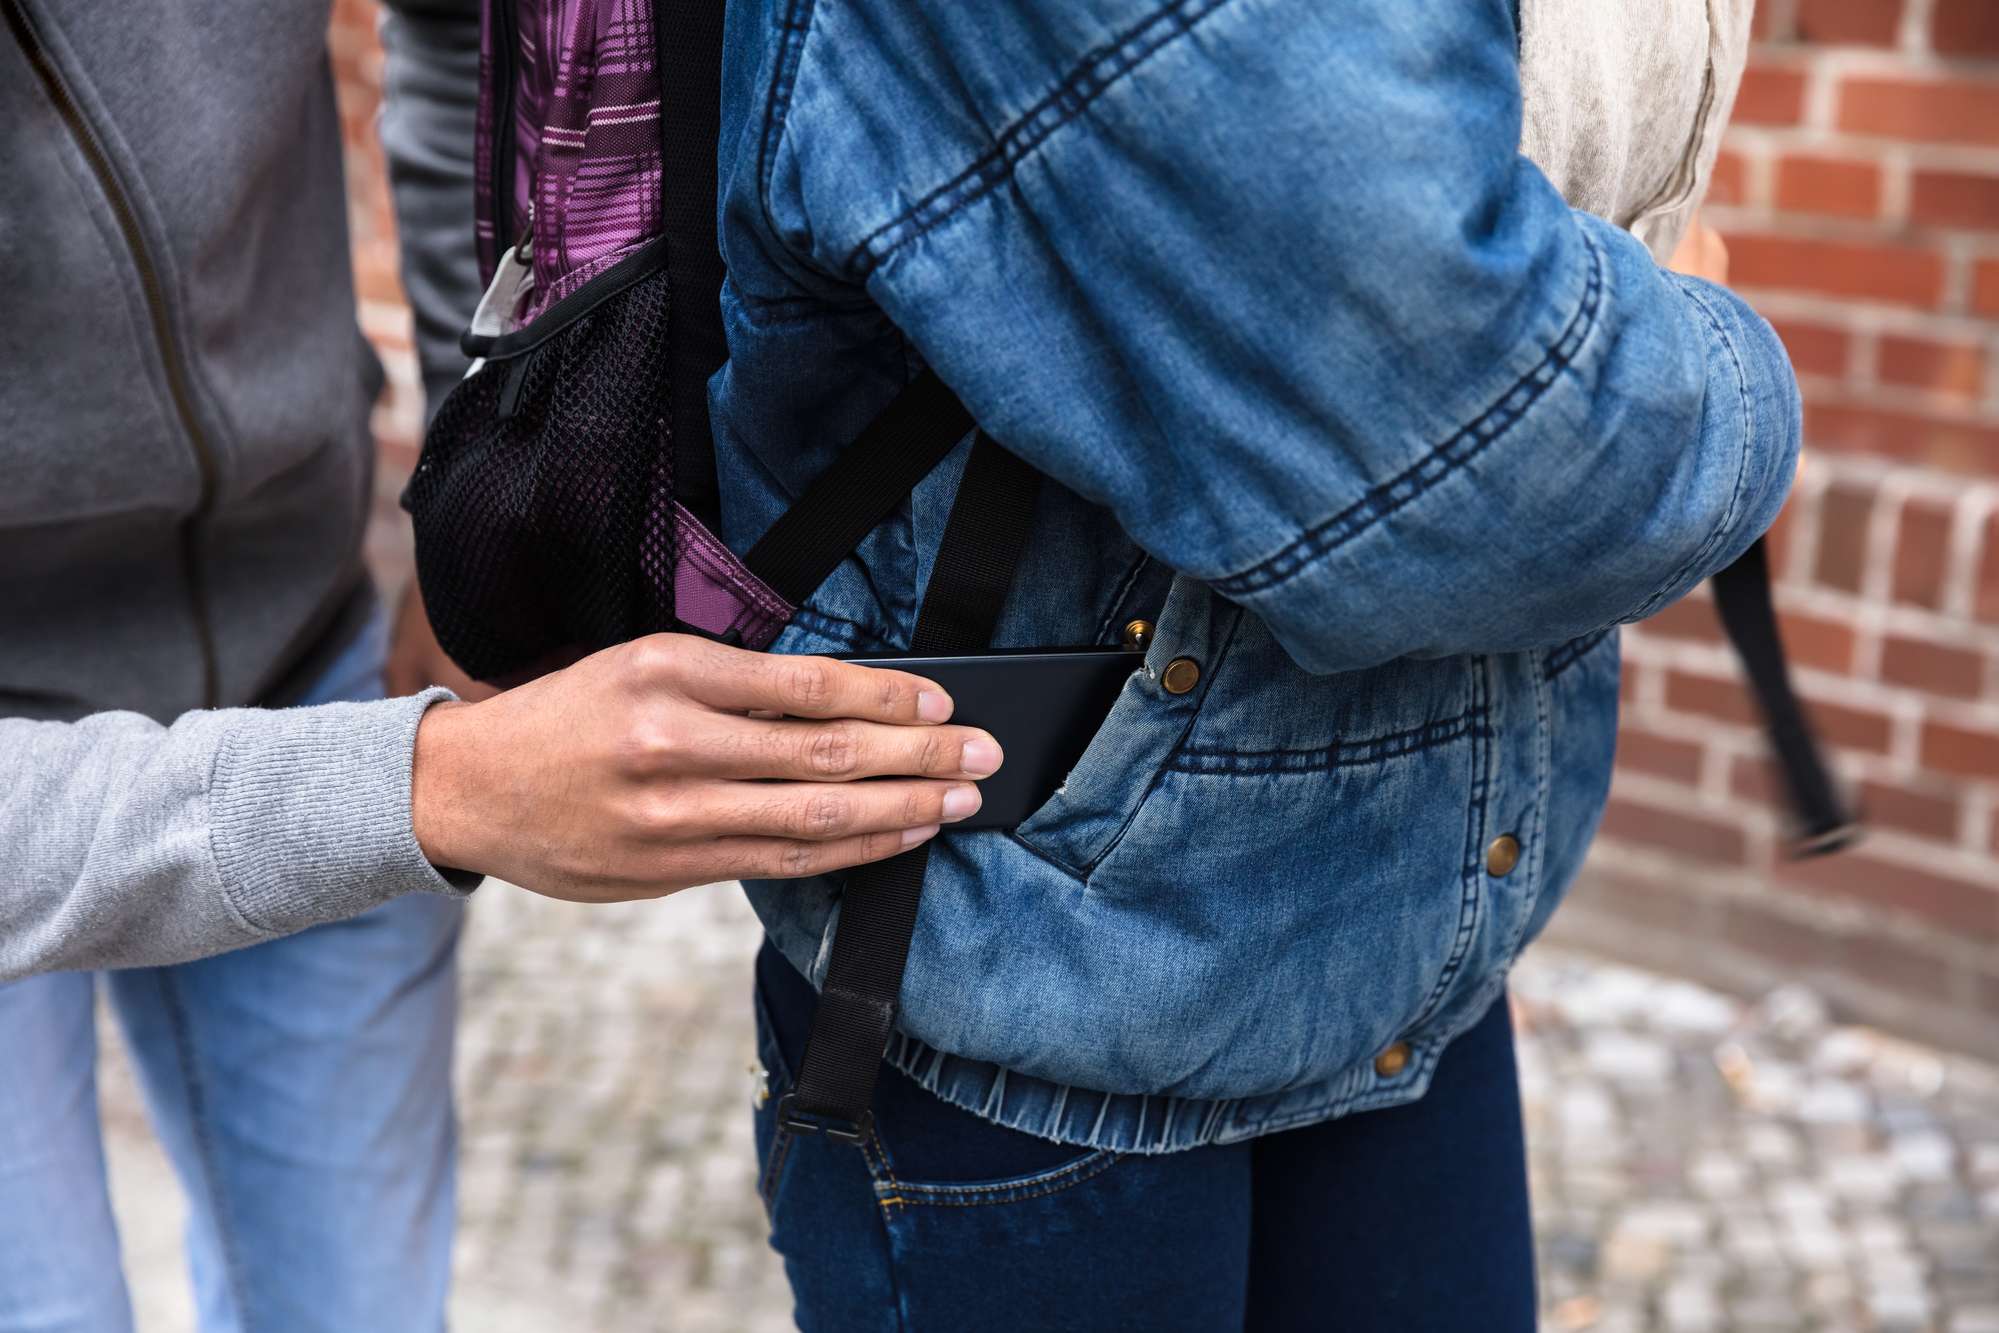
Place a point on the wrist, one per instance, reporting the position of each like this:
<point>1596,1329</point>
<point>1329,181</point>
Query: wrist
<point>440,815</point>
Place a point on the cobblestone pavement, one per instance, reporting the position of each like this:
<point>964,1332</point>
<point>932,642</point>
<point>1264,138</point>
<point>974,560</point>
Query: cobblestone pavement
<point>1698,1163</point>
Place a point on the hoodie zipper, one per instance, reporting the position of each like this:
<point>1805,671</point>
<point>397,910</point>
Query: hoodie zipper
<point>171,356</point>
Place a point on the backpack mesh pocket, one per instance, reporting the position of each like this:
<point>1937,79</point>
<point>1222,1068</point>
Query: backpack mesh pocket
<point>543,500</point>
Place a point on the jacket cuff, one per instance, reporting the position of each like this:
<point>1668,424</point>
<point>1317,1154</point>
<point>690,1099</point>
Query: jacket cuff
<point>309,813</point>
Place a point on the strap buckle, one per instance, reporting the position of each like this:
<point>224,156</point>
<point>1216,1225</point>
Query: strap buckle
<point>1824,842</point>
<point>845,1129</point>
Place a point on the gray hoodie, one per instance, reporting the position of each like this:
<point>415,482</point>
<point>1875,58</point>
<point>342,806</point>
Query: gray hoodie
<point>186,469</point>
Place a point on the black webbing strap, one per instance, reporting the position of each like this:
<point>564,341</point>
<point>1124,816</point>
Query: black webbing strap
<point>982,543</point>
<point>687,44</point>
<point>861,488</point>
<point>1742,594</point>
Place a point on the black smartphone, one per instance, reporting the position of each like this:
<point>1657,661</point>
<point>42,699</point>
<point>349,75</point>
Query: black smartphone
<point>1042,706</point>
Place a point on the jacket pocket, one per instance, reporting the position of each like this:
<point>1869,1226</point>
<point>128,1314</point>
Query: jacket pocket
<point>1078,826</point>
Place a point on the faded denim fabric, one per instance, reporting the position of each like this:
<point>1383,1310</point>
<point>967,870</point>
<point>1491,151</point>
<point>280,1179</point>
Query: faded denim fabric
<point>1338,390</point>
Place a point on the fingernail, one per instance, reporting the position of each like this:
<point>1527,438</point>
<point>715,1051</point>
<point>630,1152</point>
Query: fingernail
<point>981,758</point>
<point>962,801</point>
<point>933,707</point>
<point>912,836</point>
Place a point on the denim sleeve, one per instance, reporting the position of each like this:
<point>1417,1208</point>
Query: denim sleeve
<point>1270,280</point>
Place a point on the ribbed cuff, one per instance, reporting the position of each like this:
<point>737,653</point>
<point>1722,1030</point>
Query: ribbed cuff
<point>309,813</point>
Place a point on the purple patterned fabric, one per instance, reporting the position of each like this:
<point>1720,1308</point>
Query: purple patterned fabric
<point>586,155</point>
<point>586,143</point>
<point>713,592</point>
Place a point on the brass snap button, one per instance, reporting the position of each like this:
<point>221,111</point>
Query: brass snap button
<point>1501,855</point>
<point>1181,675</point>
<point>1138,635</point>
<point>1393,1060</point>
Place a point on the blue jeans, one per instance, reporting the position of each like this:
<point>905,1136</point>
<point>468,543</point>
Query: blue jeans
<point>1409,1219</point>
<point>302,1088</point>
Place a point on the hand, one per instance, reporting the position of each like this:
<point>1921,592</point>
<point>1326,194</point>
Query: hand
<point>640,771</point>
<point>1701,252</point>
<point>417,661</point>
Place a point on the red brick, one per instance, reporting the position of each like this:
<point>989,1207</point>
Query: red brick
<point>1728,184</point>
<point>1954,199</point>
<point>1907,969</point>
<point>1851,728</point>
<point>1985,287</point>
<point>1814,348</point>
<point>1729,701</point>
<point>1831,186</point>
<point>1705,696</point>
<point>1943,900</point>
<point>1971,752</point>
<point>1659,755</point>
<point>1920,811</point>
<point>1815,641</point>
<point>1951,443</point>
<point>1900,274</point>
<point>1956,673</point>
<point>1946,367</point>
<point>1844,515</point>
<point>1782,536</point>
<point>1849,22</point>
<point>1770,96</point>
<point>1922,553</point>
<point>1792,945</point>
<point>1698,836</point>
<point>1965,28</point>
<point>1951,110</point>
<point>1754,778</point>
<point>1688,618</point>
<point>1986,596</point>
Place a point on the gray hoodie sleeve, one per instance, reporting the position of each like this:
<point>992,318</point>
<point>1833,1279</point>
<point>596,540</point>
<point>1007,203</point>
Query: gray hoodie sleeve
<point>130,843</point>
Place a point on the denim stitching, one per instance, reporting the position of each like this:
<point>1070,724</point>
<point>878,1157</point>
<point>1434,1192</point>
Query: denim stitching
<point>795,25</point>
<point>1572,652</point>
<point>1096,73</point>
<point>1537,836</point>
<point>1340,754</point>
<point>1728,517</point>
<point>204,1143</point>
<point>1084,1169</point>
<point>1113,611</point>
<point>1439,463</point>
<point>1179,743</point>
<point>1472,897</point>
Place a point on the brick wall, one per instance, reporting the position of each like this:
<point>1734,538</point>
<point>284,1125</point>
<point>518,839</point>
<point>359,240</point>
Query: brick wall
<point>357,68</point>
<point>1860,195</point>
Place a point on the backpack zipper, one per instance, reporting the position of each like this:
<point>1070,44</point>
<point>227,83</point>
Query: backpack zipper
<point>178,390</point>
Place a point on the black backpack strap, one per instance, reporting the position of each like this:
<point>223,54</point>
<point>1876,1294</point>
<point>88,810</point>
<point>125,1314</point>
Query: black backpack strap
<point>1742,595</point>
<point>862,487</point>
<point>983,540</point>
<point>687,44</point>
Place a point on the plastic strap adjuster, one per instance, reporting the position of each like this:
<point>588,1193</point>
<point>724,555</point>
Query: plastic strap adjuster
<point>846,1129</point>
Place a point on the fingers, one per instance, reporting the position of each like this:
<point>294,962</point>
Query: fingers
<point>829,811</point>
<point>838,751</point>
<point>738,681</point>
<point>779,858</point>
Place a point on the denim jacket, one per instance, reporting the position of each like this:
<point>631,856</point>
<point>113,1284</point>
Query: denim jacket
<point>1332,385</point>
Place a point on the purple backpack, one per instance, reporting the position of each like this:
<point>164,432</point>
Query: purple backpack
<point>565,499</point>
